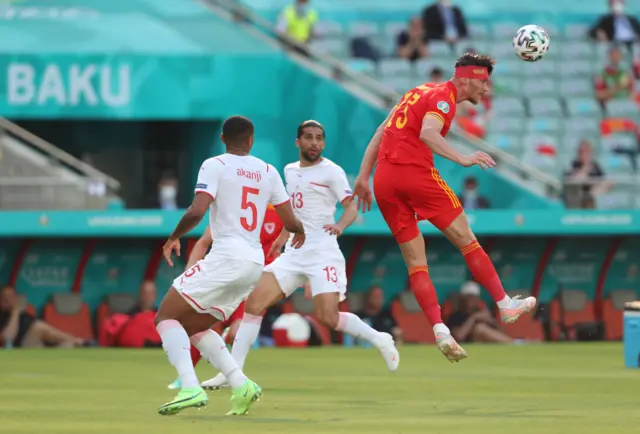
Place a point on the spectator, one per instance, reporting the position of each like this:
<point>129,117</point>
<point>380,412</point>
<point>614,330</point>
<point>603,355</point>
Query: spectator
<point>19,328</point>
<point>412,43</point>
<point>614,81</point>
<point>296,21</point>
<point>472,321</point>
<point>616,26</point>
<point>436,75</point>
<point>147,296</point>
<point>445,22</point>
<point>470,198</point>
<point>584,179</point>
<point>168,192</point>
<point>378,317</point>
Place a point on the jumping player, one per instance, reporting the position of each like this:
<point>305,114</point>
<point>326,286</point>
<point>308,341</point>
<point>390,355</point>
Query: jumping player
<point>271,228</point>
<point>315,185</point>
<point>236,189</point>
<point>408,188</point>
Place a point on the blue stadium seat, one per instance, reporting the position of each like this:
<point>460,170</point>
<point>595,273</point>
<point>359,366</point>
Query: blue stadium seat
<point>578,68</point>
<point>511,143</point>
<point>544,67</point>
<point>479,31</point>
<point>622,108</point>
<point>336,47</point>
<point>582,126</point>
<point>583,106</point>
<point>509,85</point>
<point>328,28</point>
<point>576,31</point>
<point>392,30</point>
<point>545,125</point>
<point>362,29</point>
<point>546,107</point>
<point>394,68</point>
<point>577,87</point>
<point>505,30</point>
<point>363,66</point>
<point>512,67</point>
<point>540,87</point>
<point>509,106</point>
<point>506,124</point>
<point>582,50</point>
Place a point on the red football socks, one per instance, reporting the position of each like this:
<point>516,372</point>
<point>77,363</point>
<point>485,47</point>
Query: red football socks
<point>425,293</point>
<point>483,270</point>
<point>195,355</point>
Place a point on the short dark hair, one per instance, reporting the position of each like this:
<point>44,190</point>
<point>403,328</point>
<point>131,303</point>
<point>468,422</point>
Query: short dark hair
<point>236,130</point>
<point>475,59</point>
<point>309,123</point>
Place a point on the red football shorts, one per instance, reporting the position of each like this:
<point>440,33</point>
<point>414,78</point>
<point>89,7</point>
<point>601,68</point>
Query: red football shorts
<point>407,194</point>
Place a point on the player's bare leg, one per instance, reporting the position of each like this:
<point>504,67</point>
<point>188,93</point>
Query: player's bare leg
<point>327,312</point>
<point>266,294</point>
<point>483,271</point>
<point>415,257</point>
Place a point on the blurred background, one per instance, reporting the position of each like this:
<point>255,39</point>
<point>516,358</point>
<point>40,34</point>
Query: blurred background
<point>108,108</point>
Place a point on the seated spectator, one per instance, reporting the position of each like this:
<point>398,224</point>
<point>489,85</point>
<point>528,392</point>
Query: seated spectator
<point>297,20</point>
<point>378,317</point>
<point>616,26</point>
<point>470,198</point>
<point>412,43</point>
<point>436,75</point>
<point>147,297</point>
<point>21,329</point>
<point>472,322</point>
<point>445,22</point>
<point>584,179</point>
<point>615,81</point>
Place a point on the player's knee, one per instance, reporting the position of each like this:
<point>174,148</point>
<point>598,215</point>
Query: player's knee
<point>253,306</point>
<point>158,318</point>
<point>328,317</point>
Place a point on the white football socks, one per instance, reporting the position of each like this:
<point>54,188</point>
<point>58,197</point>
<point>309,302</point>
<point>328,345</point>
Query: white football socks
<point>352,324</point>
<point>504,303</point>
<point>214,350</point>
<point>245,337</point>
<point>175,342</point>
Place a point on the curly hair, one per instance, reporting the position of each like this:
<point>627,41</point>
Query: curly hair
<point>475,59</point>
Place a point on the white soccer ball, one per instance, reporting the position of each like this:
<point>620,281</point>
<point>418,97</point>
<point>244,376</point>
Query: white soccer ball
<point>531,42</point>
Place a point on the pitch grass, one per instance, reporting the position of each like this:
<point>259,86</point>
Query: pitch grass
<point>536,389</point>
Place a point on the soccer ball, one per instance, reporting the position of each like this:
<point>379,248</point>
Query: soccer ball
<point>531,42</point>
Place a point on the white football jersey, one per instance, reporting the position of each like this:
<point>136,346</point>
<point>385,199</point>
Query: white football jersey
<point>242,187</point>
<point>315,191</point>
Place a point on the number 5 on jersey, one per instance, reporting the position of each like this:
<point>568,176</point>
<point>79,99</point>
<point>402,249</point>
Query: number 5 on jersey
<point>251,225</point>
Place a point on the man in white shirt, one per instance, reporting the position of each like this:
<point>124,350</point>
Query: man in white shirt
<point>236,189</point>
<point>315,185</point>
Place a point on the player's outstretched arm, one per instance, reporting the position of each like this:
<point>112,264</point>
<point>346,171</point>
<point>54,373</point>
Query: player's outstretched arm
<point>200,249</point>
<point>430,136</point>
<point>361,188</point>
<point>192,216</point>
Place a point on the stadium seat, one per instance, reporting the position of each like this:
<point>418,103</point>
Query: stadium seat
<point>363,66</point>
<point>619,141</point>
<point>394,68</point>
<point>328,29</point>
<point>502,48</point>
<point>572,308</point>
<point>539,87</point>
<point>479,31</point>
<point>613,309</point>
<point>336,47</point>
<point>507,142</point>
<point>616,164</point>
<point>509,67</point>
<point>544,125</point>
<point>392,30</point>
<point>577,68</point>
<point>583,106</point>
<point>506,125</point>
<point>69,313</point>
<point>546,163</point>
<point>479,46</point>
<point>576,31</point>
<point>549,107</point>
<point>362,29</point>
<point>622,108</point>
<point>509,106</point>
<point>505,30</point>
<point>411,320</point>
<point>582,126</point>
<point>440,49</point>
<point>400,84</point>
<point>526,327</point>
<point>581,50</point>
<point>507,85</point>
<point>615,200</point>
<point>576,87</point>
<point>545,67</point>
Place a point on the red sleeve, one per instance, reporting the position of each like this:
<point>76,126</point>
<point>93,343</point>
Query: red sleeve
<point>599,83</point>
<point>441,106</point>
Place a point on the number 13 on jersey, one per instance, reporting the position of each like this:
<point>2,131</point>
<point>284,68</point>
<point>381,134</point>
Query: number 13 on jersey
<point>401,112</point>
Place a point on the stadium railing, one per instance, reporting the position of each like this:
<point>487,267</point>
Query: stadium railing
<point>367,87</point>
<point>84,188</point>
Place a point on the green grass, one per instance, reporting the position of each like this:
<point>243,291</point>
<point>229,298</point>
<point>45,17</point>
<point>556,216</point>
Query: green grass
<point>536,389</point>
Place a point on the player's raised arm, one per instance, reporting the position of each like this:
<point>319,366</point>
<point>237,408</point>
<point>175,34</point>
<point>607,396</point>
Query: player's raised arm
<point>280,200</point>
<point>200,249</point>
<point>430,136</point>
<point>361,188</point>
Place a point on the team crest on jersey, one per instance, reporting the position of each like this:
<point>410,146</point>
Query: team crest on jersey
<point>443,106</point>
<point>269,228</point>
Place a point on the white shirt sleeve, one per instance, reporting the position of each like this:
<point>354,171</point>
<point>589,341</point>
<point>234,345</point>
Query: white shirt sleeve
<point>279,194</point>
<point>340,185</point>
<point>208,177</point>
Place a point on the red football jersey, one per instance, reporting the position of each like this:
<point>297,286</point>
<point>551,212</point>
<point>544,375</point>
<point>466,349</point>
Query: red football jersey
<point>271,228</point>
<point>401,142</point>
